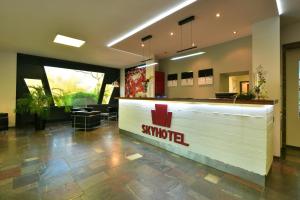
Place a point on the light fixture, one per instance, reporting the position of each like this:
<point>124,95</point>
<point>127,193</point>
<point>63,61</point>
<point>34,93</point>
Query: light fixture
<point>144,40</point>
<point>142,45</point>
<point>152,21</point>
<point>279,7</point>
<point>61,39</point>
<point>171,33</point>
<point>181,23</point>
<point>234,32</point>
<point>147,65</point>
<point>187,56</point>
<point>218,15</point>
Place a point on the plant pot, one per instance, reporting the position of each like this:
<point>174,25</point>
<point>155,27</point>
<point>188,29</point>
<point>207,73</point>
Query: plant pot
<point>39,123</point>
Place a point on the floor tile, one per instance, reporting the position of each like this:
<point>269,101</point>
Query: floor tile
<point>134,156</point>
<point>212,178</point>
<point>25,180</point>
<point>92,180</point>
<point>99,165</point>
<point>9,173</point>
<point>98,150</point>
<point>31,159</point>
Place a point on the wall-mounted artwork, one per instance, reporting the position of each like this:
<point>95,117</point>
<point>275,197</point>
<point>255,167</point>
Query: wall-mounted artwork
<point>205,77</point>
<point>172,80</point>
<point>134,82</point>
<point>139,82</point>
<point>187,78</point>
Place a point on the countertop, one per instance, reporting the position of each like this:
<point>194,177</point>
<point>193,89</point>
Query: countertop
<point>212,100</point>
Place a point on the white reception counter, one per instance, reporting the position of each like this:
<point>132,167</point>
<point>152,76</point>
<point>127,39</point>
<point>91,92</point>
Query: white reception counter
<point>233,137</point>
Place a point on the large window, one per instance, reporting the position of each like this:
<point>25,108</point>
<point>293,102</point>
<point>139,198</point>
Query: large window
<point>74,87</point>
<point>32,83</point>
<point>109,88</point>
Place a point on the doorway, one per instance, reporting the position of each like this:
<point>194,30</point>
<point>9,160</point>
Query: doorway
<point>235,82</point>
<point>291,93</point>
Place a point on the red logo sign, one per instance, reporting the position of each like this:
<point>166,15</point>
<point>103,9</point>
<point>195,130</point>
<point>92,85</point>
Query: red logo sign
<point>161,116</point>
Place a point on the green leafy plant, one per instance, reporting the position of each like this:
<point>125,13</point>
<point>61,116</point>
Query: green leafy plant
<point>61,99</point>
<point>37,103</point>
<point>260,82</point>
<point>247,96</point>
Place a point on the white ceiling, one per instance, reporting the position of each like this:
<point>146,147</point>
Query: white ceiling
<point>29,26</point>
<point>236,15</point>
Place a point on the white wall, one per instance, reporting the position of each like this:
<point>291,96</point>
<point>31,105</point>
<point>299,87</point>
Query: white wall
<point>233,56</point>
<point>8,74</point>
<point>266,52</point>
<point>290,33</point>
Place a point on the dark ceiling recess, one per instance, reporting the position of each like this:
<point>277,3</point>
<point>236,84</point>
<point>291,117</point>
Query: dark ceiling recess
<point>146,60</point>
<point>182,50</point>
<point>148,37</point>
<point>186,20</point>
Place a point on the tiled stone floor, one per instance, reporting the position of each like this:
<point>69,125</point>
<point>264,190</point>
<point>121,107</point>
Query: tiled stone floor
<point>101,164</point>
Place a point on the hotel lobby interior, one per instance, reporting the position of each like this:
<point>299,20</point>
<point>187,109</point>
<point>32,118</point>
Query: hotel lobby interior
<point>150,100</point>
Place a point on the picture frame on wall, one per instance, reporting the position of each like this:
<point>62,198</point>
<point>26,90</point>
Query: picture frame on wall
<point>206,77</point>
<point>187,79</point>
<point>172,80</point>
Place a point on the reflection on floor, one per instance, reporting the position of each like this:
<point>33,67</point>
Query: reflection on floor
<point>101,164</point>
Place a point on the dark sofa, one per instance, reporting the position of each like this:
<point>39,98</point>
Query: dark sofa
<point>3,121</point>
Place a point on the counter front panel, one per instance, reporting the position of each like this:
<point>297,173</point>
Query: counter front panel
<point>222,135</point>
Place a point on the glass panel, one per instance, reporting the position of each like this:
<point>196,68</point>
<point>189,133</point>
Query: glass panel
<point>109,88</point>
<point>31,83</point>
<point>74,87</point>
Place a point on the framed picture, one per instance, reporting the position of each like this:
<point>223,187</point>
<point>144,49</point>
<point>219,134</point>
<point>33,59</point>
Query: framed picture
<point>172,80</point>
<point>205,77</point>
<point>187,78</point>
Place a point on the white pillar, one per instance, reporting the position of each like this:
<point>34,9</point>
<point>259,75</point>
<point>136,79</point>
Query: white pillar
<point>266,52</point>
<point>8,80</point>
<point>122,82</point>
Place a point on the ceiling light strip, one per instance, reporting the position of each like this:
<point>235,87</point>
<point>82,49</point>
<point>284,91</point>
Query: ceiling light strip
<point>152,21</point>
<point>147,65</point>
<point>61,39</point>
<point>187,56</point>
<point>279,7</point>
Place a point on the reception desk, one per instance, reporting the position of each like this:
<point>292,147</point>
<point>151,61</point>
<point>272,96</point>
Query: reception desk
<point>234,137</point>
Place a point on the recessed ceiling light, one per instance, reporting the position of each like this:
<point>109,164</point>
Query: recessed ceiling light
<point>142,45</point>
<point>60,39</point>
<point>218,15</point>
<point>171,34</point>
<point>234,32</point>
<point>189,55</point>
<point>152,21</point>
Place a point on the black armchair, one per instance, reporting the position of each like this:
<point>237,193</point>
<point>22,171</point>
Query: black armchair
<point>3,121</point>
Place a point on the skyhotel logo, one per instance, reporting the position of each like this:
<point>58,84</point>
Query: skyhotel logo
<point>161,117</point>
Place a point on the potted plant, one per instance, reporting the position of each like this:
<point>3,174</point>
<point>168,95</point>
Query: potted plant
<point>36,103</point>
<point>246,96</point>
<point>260,83</point>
